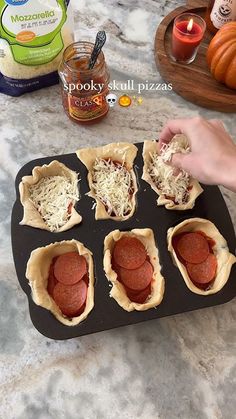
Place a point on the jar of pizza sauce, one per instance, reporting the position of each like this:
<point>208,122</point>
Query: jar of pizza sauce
<point>84,91</point>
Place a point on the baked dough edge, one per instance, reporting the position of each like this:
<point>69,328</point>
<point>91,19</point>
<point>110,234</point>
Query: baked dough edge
<point>37,274</point>
<point>118,292</point>
<point>151,147</point>
<point>31,216</point>
<point>225,259</point>
<point>124,152</point>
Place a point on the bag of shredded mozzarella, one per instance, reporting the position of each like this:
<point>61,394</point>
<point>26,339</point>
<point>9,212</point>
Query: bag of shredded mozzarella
<point>33,36</point>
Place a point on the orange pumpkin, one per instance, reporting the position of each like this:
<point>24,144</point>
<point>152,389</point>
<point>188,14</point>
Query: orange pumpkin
<point>221,55</point>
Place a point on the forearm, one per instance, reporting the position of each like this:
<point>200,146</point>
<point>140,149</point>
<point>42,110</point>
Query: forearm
<point>228,175</point>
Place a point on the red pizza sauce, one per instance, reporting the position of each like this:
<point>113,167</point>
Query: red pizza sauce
<point>84,91</point>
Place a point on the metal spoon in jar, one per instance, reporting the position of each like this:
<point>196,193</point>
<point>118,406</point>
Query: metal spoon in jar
<point>99,43</point>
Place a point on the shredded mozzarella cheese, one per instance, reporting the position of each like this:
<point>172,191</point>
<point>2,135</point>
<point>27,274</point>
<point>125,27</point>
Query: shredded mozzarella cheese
<point>53,196</point>
<point>163,175</point>
<point>112,184</point>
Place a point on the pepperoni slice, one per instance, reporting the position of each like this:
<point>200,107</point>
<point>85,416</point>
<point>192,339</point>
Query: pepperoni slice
<point>116,268</point>
<point>81,310</point>
<point>204,287</point>
<point>140,297</point>
<point>129,253</point>
<point>175,241</point>
<point>211,242</point>
<point>193,248</point>
<point>70,268</point>
<point>137,279</point>
<point>205,272</point>
<point>70,299</point>
<point>86,279</point>
<point>52,281</point>
<point>69,208</point>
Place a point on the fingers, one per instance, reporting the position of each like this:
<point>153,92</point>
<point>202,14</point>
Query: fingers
<point>182,161</point>
<point>179,126</point>
<point>188,127</point>
<point>173,127</point>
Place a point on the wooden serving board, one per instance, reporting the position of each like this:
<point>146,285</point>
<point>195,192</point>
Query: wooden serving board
<point>194,81</point>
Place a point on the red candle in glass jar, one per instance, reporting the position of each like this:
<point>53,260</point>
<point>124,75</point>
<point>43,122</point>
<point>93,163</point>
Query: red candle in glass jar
<point>188,31</point>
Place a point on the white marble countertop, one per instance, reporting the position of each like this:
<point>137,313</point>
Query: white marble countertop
<point>179,367</point>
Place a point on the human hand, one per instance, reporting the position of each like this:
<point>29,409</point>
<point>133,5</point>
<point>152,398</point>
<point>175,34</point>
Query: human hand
<point>212,159</point>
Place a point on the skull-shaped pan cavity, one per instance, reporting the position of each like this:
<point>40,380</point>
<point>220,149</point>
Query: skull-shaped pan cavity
<point>111,179</point>
<point>48,197</point>
<point>176,192</point>
<point>201,254</point>
<point>131,264</point>
<point>61,276</point>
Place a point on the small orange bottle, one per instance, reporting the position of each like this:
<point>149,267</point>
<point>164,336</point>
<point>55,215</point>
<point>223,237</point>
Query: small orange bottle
<point>220,12</point>
<point>84,91</point>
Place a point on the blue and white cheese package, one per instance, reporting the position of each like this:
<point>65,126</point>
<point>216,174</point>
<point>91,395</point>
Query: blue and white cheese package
<point>33,37</point>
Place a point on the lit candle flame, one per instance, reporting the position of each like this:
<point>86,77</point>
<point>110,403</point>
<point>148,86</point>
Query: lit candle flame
<point>190,25</point>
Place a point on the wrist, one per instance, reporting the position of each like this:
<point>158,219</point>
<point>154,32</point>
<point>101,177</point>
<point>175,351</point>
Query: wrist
<point>228,174</point>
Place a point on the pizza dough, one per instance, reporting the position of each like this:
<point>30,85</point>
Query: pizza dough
<point>121,152</point>
<point>150,147</point>
<point>37,273</point>
<point>118,292</point>
<point>31,215</point>
<point>225,259</point>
